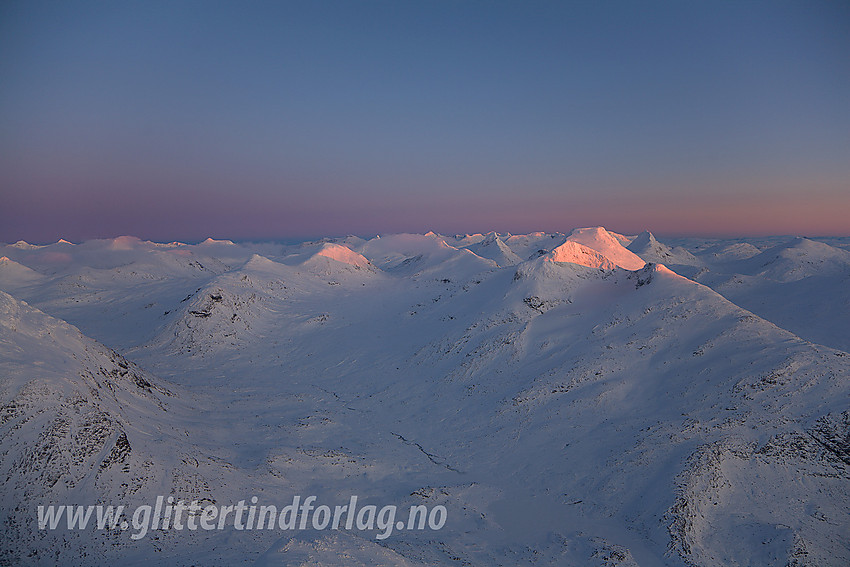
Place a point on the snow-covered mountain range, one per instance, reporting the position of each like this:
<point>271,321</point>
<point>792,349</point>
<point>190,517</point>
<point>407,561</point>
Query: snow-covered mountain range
<point>579,398</point>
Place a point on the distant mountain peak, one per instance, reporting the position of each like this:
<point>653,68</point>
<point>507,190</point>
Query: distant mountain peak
<point>344,255</point>
<point>607,245</point>
<point>649,249</point>
<point>211,240</point>
<point>645,238</point>
<point>576,253</point>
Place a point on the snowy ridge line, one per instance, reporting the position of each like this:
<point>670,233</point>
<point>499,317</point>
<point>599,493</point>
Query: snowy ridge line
<point>689,412</point>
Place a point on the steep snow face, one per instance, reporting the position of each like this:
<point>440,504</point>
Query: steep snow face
<point>600,240</point>
<point>76,426</point>
<point>643,240</point>
<point>575,253</point>
<point>595,248</point>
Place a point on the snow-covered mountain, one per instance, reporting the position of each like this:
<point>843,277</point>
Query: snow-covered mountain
<point>800,284</point>
<point>609,245</point>
<point>80,425</point>
<point>650,250</point>
<point>493,247</point>
<point>566,402</point>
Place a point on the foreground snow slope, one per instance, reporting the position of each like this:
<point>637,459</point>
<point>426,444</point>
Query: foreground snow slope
<point>83,425</point>
<point>564,409</point>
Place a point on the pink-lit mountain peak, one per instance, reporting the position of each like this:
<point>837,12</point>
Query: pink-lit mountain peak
<point>608,247</point>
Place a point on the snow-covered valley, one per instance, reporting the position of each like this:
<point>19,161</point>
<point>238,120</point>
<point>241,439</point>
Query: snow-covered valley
<point>585,398</point>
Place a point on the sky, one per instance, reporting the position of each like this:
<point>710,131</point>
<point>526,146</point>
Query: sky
<point>181,120</point>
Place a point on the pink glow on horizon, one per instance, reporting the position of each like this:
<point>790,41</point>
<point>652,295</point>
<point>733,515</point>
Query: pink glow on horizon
<point>188,218</point>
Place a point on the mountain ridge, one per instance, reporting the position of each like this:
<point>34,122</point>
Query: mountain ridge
<point>561,411</point>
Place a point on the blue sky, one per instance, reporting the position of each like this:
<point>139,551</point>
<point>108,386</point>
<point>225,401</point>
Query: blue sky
<point>181,120</point>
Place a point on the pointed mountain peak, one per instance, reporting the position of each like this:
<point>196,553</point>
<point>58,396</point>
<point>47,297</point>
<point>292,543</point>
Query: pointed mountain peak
<point>650,250</point>
<point>495,249</point>
<point>210,241</point>
<point>490,238</point>
<point>576,253</point>
<point>260,262</point>
<point>598,239</point>
<point>642,240</point>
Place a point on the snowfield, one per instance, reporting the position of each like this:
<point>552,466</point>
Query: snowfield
<point>586,398</point>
